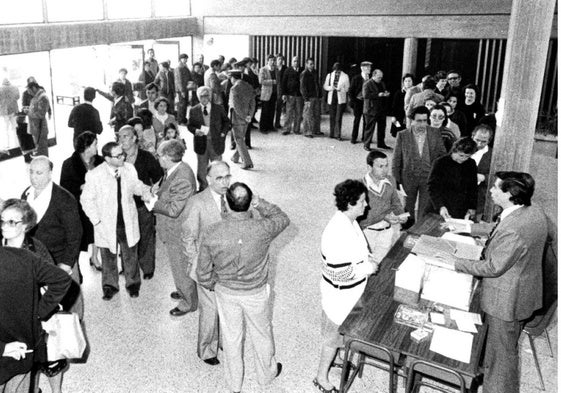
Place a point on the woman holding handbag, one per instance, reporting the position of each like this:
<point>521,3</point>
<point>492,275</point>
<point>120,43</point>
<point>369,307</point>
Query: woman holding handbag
<point>17,217</point>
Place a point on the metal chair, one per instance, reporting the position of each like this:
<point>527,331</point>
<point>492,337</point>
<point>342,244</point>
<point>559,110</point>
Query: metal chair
<point>433,371</point>
<point>379,357</point>
<point>542,317</point>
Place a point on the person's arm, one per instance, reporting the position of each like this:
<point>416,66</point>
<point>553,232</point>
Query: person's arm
<point>179,192</point>
<point>105,95</point>
<point>205,274</point>
<point>326,85</point>
<point>303,87</point>
<point>193,122</point>
<point>57,283</point>
<point>225,121</point>
<point>436,185</point>
<point>508,251</point>
<point>275,219</point>
<point>98,126</point>
<point>68,178</point>
<point>72,118</point>
<point>397,161</point>
<point>190,229</point>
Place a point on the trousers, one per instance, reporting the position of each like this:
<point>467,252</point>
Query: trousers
<point>209,332</point>
<point>20,383</point>
<point>312,116</point>
<point>110,273</point>
<point>374,122</point>
<point>239,129</point>
<point>202,163</point>
<point>147,242</point>
<point>294,106</point>
<point>39,130</point>
<point>335,116</point>
<point>358,116</point>
<point>414,186</point>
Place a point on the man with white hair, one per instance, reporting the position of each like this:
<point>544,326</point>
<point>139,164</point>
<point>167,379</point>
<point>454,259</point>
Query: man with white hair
<point>209,125</point>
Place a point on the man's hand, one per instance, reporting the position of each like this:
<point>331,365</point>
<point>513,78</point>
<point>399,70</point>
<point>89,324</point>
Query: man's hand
<point>16,350</point>
<point>248,118</point>
<point>480,178</point>
<point>447,258</point>
<point>255,200</point>
<point>199,133</point>
<point>392,218</point>
<point>470,214</point>
<point>375,264</point>
<point>444,213</point>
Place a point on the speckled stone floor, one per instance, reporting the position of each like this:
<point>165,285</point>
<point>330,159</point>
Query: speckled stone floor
<point>136,346</point>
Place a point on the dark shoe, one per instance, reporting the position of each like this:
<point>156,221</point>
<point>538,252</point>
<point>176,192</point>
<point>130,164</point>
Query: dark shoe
<point>109,292</point>
<point>177,312</point>
<point>247,167</point>
<point>278,126</point>
<point>133,293</point>
<point>385,147</point>
<point>324,390</point>
<point>212,361</point>
<point>264,131</point>
<point>249,147</point>
<point>319,133</point>
<point>176,295</point>
<point>286,132</point>
<point>298,132</point>
<point>354,142</point>
<point>96,267</point>
<point>279,369</point>
<point>309,136</point>
<point>148,276</point>
<point>367,148</point>
<point>340,139</point>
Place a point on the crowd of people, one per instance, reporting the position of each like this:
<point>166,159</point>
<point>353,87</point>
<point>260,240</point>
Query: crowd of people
<point>216,233</point>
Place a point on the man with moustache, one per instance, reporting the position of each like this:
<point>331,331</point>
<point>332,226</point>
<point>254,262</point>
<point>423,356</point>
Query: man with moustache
<point>205,209</point>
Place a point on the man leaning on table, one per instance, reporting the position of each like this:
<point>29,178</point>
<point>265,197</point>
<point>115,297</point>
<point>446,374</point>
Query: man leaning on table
<point>511,269</point>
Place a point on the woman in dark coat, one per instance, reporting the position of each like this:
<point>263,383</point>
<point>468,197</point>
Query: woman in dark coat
<point>453,182</point>
<point>73,177</point>
<point>471,108</point>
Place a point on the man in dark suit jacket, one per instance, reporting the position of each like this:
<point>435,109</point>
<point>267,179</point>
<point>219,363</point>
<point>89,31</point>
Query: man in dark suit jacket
<point>166,83</point>
<point>290,87</point>
<point>182,77</point>
<point>356,98</point>
<point>482,135</point>
<point>279,74</point>
<point>375,97</point>
<point>150,173</point>
<point>58,222</point>
<point>122,109</point>
<point>175,190</point>
<point>511,267</point>
<point>84,117</point>
<point>209,125</point>
<point>415,151</point>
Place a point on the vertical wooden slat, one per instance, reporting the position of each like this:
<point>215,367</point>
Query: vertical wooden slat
<point>488,88</point>
<point>485,66</point>
<point>544,104</point>
<point>552,95</point>
<point>477,69</point>
<point>498,73</point>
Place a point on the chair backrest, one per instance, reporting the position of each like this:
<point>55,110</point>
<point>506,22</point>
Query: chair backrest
<point>435,371</point>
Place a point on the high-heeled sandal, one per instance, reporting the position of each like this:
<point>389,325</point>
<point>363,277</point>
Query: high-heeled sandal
<point>96,267</point>
<point>324,390</point>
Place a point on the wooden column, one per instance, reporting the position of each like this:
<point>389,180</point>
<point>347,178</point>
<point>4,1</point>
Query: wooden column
<point>526,52</point>
<point>410,56</point>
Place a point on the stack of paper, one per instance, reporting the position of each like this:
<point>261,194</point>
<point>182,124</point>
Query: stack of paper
<point>447,287</point>
<point>466,321</point>
<point>429,246</point>
<point>452,343</point>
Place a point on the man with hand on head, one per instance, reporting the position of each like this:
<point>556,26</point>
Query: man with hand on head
<point>204,209</point>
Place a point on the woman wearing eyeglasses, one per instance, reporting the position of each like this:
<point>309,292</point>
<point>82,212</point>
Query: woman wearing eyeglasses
<point>17,217</point>
<point>452,182</point>
<point>439,119</point>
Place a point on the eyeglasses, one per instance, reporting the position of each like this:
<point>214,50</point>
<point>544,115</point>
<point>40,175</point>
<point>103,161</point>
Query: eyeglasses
<point>119,156</point>
<point>223,178</point>
<point>10,223</point>
<point>453,78</point>
<point>437,117</point>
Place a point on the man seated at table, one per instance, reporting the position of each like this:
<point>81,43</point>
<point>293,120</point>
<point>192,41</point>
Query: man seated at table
<point>512,276</point>
<point>380,224</point>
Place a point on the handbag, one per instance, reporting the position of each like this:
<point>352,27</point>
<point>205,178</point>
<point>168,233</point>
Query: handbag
<point>65,336</point>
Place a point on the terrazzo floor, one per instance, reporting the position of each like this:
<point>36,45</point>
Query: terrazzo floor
<point>136,346</point>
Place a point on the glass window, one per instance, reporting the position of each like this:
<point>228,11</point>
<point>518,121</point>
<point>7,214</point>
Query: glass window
<point>21,11</point>
<point>74,10</point>
<point>172,7</point>
<point>129,9</point>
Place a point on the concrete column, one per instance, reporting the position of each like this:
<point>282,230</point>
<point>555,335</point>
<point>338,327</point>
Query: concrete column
<point>526,53</point>
<point>410,55</point>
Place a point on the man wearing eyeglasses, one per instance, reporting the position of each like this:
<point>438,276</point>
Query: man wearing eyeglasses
<point>205,209</point>
<point>454,83</point>
<point>107,199</point>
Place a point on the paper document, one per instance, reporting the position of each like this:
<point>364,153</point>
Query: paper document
<point>410,274</point>
<point>466,326</point>
<point>436,317</point>
<point>459,238</point>
<point>452,343</point>
<point>205,130</point>
<point>459,225</point>
<point>429,246</point>
<point>467,316</point>
<point>447,287</point>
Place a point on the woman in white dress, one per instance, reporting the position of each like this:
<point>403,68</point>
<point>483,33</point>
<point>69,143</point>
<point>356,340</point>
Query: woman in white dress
<point>346,266</point>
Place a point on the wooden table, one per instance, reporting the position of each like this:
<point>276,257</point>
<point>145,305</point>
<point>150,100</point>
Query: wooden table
<point>371,319</point>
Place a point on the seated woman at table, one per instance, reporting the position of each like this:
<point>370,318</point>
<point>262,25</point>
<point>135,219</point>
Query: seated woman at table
<point>453,182</point>
<point>346,266</point>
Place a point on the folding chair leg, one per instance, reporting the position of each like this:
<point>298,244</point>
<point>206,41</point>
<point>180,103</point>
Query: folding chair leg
<point>533,348</point>
<point>548,342</point>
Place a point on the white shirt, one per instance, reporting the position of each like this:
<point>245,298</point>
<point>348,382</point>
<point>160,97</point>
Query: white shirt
<point>41,203</point>
<point>217,199</point>
<point>172,169</point>
<point>506,212</point>
<point>376,187</point>
<point>479,154</point>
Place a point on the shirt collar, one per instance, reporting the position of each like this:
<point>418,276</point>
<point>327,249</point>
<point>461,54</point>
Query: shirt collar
<point>172,169</point>
<point>48,190</point>
<point>118,99</point>
<point>371,184</point>
<point>509,210</point>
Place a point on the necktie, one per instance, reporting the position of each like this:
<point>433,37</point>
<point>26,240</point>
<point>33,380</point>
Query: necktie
<point>223,209</point>
<point>336,79</point>
<point>205,112</point>
<point>120,219</point>
<point>489,238</point>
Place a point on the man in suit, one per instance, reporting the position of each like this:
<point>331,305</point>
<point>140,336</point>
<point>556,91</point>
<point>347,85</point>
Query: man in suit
<point>146,77</point>
<point>107,199</point>
<point>128,85</point>
<point>279,74</point>
<point>198,81</point>
<point>375,104</point>
<point>182,78</point>
<point>213,81</point>
<point>482,135</point>
<point>150,173</point>
<point>177,187</point>
<point>291,94</point>
<point>122,109</point>
<point>152,61</point>
<point>428,93</point>
<point>203,210</point>
<point>152,90</point>
<point>58,223</point>
<point>242,104</point>
<point>268,81</point>
<point>209,125</point>
<point>311,94</point>
<point>416,149</point>
<point>85,117</point>
<point>357,100</point>
<point>336,84</point>
<point>166,82</point>
<point>234,263</point>
<point>511,267</point>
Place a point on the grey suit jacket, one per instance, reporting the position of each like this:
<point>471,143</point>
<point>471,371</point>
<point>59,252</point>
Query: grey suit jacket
<point>512,269</point>
<point>242,102</point>
<point>173,195</point>
<point>406,153</point>
<point>202,211</point>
